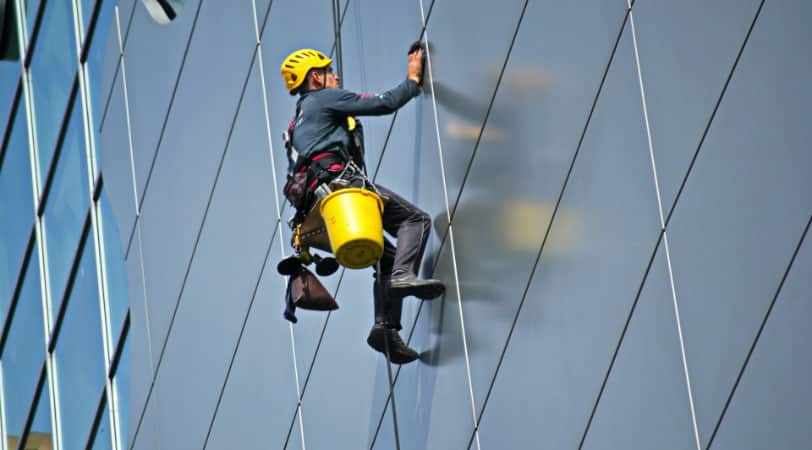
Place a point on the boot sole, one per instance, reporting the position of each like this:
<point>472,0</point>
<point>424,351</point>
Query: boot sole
<point>423,292</point>
<point>378,343</point>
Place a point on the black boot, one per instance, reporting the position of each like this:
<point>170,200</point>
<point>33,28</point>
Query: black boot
<point>384,334</point>
<point>405,284</point>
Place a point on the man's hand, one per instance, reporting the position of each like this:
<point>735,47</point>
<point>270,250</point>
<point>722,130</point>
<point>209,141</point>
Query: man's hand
<point>415,70</point>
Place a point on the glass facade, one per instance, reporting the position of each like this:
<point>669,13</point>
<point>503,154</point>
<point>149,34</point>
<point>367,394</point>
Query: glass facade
<point>63,298</point>
<point>620,194</point>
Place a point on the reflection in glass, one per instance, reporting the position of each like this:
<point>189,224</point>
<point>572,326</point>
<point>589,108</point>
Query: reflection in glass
<point>16,208</point>
<point>24,352</point>
<point>122,386</point>
<point>66,208</point>
<point>95,59</point>
<point>79,355</point>
<point>116,271</point>
<point>102,440</point>
<point>39,437</point>
<point>52,69</point>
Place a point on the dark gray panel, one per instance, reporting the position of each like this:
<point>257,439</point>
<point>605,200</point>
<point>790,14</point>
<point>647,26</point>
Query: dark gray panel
<point>432,396</point>
<point>744,205</point>
<point>262,380</point>
<point>221,282</point>
<point>532,133</point>
<point>141,343</point>
<point>281,37</point>
<point>153,57</point>
<point>150,435</point>
<point>686,51</point>
<point>374,56</point>
<point>645,404</point>
<point>192,148</point>
<point>338,405</point>
<point>465,71</point>
<point>113,146</point>
<point>581,293</point>
<point>771,405</point>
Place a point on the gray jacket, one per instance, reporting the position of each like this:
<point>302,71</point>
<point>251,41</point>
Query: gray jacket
<point>320,122</point>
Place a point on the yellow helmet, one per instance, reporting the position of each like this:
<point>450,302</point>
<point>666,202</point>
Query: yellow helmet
<point>295,67</point>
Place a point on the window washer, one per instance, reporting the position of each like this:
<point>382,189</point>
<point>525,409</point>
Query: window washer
<point>325,140</point>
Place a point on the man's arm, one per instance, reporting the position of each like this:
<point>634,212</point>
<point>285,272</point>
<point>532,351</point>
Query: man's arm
<point>353,104</point>
<point>350,103</point>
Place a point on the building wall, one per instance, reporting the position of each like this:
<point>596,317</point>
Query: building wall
<point>620,193</point>
<point>63,293</point>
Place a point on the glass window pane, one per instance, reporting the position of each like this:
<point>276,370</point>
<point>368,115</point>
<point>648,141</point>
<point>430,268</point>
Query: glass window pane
<point>30,7</point>
<point>66,208</point>
<point>95,59</point>
<point>16,208</point>
<point>24,351</point>
<point>87,12</point>
<point>115,269</point>
<point>102,440</point>
<point>122,386</point>
<point>40,437</point>
<point>79,355</point>
<point>52,69</point>
<point>9,76</point>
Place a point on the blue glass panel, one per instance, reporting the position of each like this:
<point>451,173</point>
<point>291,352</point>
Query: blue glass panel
<point>121,382</point>
<point>66,207</point>
<point>103,439</point>
<point>40,436</point>
<point>24,352</point>
<point>9,74</point>
<point>115,269</point>
<point>79,354</point>
<point>16,208</point>
<point>86,7</point>
<point>31,7</point>
<point>105,29</point>
<point>52,70</point>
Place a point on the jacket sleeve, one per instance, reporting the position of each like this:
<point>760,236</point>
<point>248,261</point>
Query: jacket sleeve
<point>353,104</point>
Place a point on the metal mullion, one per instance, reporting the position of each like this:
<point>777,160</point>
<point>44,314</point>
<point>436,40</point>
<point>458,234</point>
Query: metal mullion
<point>94,426</point>
<point>63,129</point>
<point>113,411</point>
<point>32,409</point>
<point>77,260</point>
<point>91,31</point>
<point>15,295</point>
<point>29,42</point>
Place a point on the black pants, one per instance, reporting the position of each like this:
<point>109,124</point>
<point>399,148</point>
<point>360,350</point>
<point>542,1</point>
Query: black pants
<point>411,226</point>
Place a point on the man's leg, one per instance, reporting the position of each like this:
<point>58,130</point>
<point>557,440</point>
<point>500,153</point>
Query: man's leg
<point>412,226</point>
<point>388,311</point>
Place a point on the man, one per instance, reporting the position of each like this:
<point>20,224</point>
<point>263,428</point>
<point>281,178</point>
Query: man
<point>323,138</point>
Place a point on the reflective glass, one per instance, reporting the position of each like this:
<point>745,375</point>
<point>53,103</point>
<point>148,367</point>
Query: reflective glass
<point>52,70</point>
<point>87,12</point>
<point>103,438</point>
<point>24,352</point>
<point>9,74</point>
<point>16,208</point>
<point>40,437</point>
<point>115,270</point>
<point>121,383</point>
<point>66,207</point>
<point>79,354</point>
<point>31,7</point>
<point>105,29</point>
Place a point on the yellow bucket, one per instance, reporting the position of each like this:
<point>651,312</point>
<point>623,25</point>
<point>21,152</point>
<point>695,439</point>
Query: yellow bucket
<point>353,220</point>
